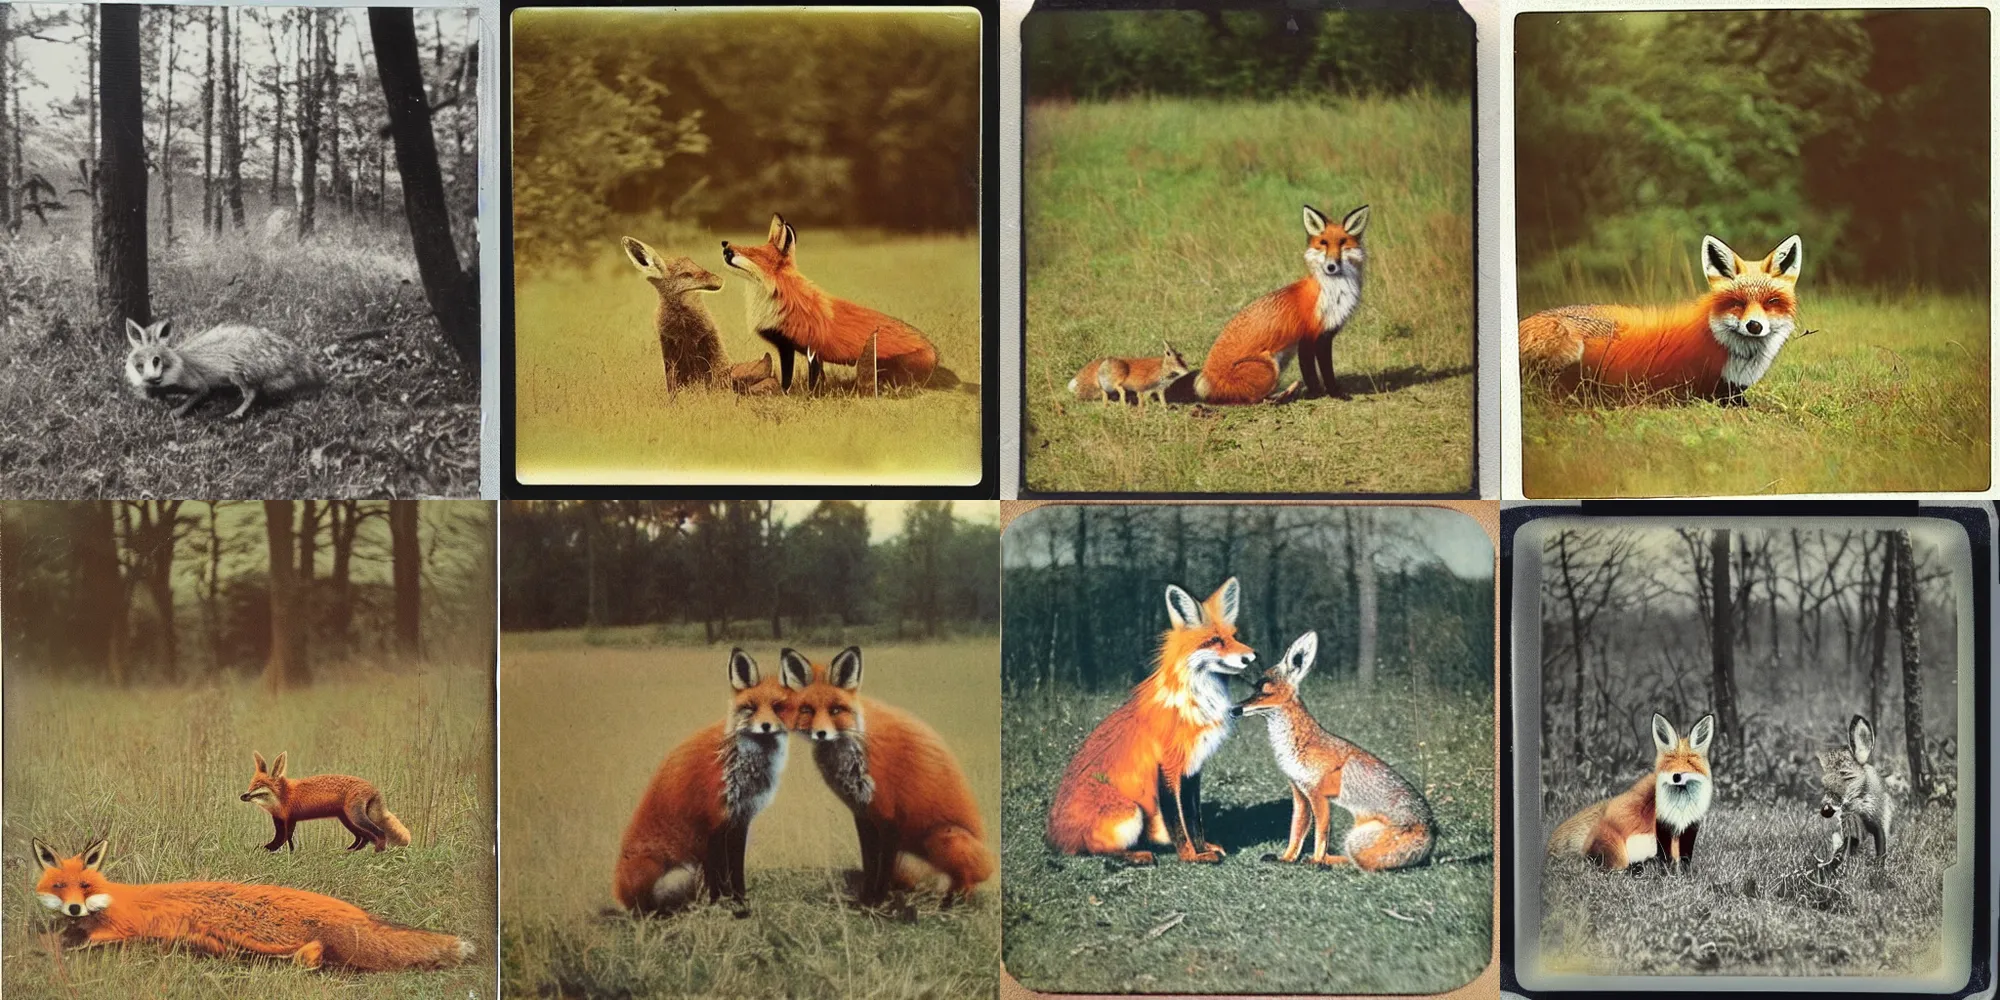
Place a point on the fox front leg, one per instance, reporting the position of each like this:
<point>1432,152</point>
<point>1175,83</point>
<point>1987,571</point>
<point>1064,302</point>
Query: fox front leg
<point>1323,359</point>
<point>282,835</point>
<point>715,865</point>
<point>194,399</point>
<point>1300,815</point>
<point>1172,810</point>
<point>1191,809</point>
<point>739,842</point>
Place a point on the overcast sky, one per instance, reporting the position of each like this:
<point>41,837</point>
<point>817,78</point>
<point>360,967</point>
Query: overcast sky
<point>885,517</point>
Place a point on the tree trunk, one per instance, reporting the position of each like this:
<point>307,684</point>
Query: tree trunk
<point>344,518</point>
<point>312,83</point>
<point>1878,640</point>
<point>408,573</point>
<point>1722,648</point>
<point>279,670</point>
<point>453,296</point>
<point>7,212</point>
<point>1908,605</point>
<point>232,128</point>
<point>341,194</point>
<point>1367,603</point>
<point>208,213</point>
<point>166,164</point>
<point>308,556</point>
<point>100,625</point>
<point>1079,601</point>
<point>212,593</point>
<point>1576,642</point>
<point>122,290</point>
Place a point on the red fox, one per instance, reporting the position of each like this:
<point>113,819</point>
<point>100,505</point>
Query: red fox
<point>1664,807</point>
<point>353,801</point>
<point>224,918</point>
<point>912,807</point>
<point>1713,348</point>
<point>1139,771</point>
<point>1392,825</point>
<point>794,315</point>
<point>693,825</point>
<point>1300,318</point>
<point>1134,379</point>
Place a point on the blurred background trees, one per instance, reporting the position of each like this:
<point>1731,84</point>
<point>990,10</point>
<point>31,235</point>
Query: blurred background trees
<point>718,119</point>
<point>1086,584</point>
<point>1863,131</point>
<point>1259,54</point>
<point>717,571</point>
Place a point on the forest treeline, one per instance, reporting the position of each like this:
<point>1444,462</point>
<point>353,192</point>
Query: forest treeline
<point>1264,53</point>
<point>741,569</point>
<point>166,591</point>
<point>1765,628</point>
<point>718,119</point>
<point>1086,586</point>
<point>1863,131</point>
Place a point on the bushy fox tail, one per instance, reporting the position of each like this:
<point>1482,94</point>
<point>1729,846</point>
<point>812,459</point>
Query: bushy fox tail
<point>395,832</point>
<point>945,378</point>
<point>380,946</point>
<point>962,857</point>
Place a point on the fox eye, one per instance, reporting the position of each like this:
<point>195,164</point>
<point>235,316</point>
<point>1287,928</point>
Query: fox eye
<point>1772,303</point>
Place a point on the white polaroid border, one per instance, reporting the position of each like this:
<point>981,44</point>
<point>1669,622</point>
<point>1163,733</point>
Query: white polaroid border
<point>1499,265</point>
<point>1524,866</point>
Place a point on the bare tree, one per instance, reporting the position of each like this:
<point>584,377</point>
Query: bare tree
<point>1722,646</point>
<point>232,116</point>
<point>1878,649</point>
<point>122,292</point>
<point>209,216</point>
<point>1907,610</point>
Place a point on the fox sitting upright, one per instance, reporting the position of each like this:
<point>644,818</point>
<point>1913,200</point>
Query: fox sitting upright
<point>795,315</point>
<point>913,808</point>
<point>1392,825</point>
<point>1713,348</point>
<point>1853,791</point>
<point>224,918</point>
<point>1129,379</point>
<point>353,801</point>
<point>1139,772</point>
<point>1659,814</point>
<point>1301,318</point>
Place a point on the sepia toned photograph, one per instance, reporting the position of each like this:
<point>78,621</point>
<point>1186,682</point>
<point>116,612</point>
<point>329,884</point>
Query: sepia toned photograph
<point>1753,251</point>
<point>1748,731</point>
<point>752,748</point>
<point>249,748</point>
<point>1248,241</point>
<point>1247,748</point>
<point>238,251</point>
<point>747,245</point>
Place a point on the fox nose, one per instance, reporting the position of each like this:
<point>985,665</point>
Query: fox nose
<point>1678,778</point>
<point>1249,658</point>
<point>1235,711</point>
<point>1754,328</point>
<point>74,909</point>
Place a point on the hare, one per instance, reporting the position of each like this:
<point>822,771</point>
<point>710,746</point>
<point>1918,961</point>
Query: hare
<point>250,358</point>
<point>1853,791</point>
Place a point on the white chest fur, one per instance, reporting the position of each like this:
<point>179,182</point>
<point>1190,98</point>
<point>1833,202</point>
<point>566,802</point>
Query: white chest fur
<point>1339,296</point>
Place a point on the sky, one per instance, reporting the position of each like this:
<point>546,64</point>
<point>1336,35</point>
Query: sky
<point>885,517</point>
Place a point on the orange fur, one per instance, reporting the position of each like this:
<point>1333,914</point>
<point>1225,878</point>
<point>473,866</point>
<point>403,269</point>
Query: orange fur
<point>1245,363</point>
<point>355,802</point>
<point>1604,831</point>
<point>227,918</point>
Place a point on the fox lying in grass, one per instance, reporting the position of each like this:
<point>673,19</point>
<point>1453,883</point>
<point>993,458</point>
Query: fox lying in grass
<point>252,360</point>
<point>229,918</point>
<point>1659,815</point>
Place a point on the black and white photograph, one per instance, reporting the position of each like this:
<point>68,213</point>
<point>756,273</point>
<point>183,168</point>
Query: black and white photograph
<point>1738,751</point>
<point>238,251</point>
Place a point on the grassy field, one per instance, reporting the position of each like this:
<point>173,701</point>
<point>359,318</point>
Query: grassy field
<point>1076,924</point>
<point>161,770</point>
<point>1746,910</point>
<point>592,405</point>
<point>1151,219</point>
<point>1891,395</point>
<point>586,728</point>
<point>397,418</point>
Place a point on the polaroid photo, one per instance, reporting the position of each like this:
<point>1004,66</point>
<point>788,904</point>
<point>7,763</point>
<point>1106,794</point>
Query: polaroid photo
<point>1748,751</point>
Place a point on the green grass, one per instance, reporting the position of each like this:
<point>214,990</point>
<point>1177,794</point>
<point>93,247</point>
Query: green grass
<point>592,405</point>
<point>1891,395</point>
<point>161,769</point>
<point>1159,218</point>
<point>397,418</point>
<point>1080,924</point>
<point>1745,910</point>
<point>587,727</point>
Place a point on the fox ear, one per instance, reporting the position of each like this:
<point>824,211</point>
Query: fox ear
<point>1702,733</point>
<point>1356,221</point>
<point>788,240</point>
<point>638,254</point>
<point>777,228</point>
<point>1664,736</point>
<point>163,330</point>
<point>1719,262</point>
<point>794,670</point>
<point>258,759</point>
<point>45,855</point>
<point>1784,262</point>
<point>846,669</point>
<point>1299,659</point>
<point>278,766</point>
<point>1315,222</point>
<point>93,856</point>
<point>742,670</point>
<point>1182,608</point>
<point>1861,738</point>
<point>1228,600</point>
<point>136,335</point>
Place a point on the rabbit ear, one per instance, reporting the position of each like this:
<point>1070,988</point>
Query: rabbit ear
<point>1664,736</point>
<point>1703,731</point>
<point>1861,737</point>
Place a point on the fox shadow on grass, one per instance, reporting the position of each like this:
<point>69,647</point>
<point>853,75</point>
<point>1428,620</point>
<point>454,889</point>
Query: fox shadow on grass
<point>1380,383</point>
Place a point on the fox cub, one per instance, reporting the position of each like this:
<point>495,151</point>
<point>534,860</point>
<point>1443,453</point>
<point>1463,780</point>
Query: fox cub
<point>251,359</point>
<point>1663,809</point>
<point>353,801</point>
<point>1853,791</point>
<point>690,348</point>
<point>1392,825</point>
<point>1129,379</point>
<point>231,918</point>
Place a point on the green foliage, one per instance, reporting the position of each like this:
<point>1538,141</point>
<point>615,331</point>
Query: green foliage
<point>1865,132</point>
<point>721,118</point>
<point>1261,54</point>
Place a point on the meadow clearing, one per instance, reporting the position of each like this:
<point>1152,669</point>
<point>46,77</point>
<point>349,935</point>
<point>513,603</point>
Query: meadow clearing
<point>1752,905</point>
<point>1889,395</point>
<point>588,724</point>
<point>592,405</point>
<point>1158,218</point>
<point>1083,924</point>
<point>398,416</point>
<point>160,770</point>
